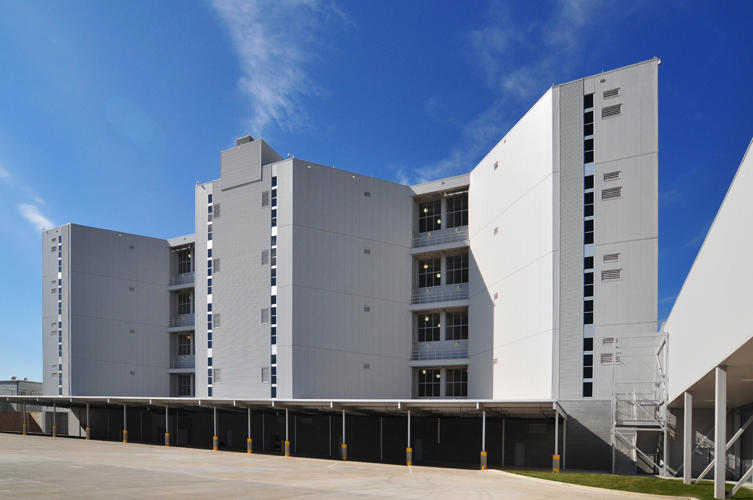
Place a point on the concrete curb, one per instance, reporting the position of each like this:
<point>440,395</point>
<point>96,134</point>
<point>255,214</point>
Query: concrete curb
<point>630,494</point>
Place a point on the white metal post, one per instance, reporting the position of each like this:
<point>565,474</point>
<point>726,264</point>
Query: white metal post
<point>483,430</point>
<point>720,432</point>
<point>665,447</point>
<point>556,433</point>
<point>408,429</point>
<point>687,440</point>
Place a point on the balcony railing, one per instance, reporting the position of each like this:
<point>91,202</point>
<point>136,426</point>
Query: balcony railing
<point>182,362</point>
<point>439,355</point>
<point>444,293</point>
<point>181,279</point>
<point>182,320</point>
<point>448,235</point>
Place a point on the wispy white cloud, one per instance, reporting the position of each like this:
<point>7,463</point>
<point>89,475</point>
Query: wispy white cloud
<point>518,60</point>
<point>5,175</point>
<point>32,214</point>
<point>276,42</point>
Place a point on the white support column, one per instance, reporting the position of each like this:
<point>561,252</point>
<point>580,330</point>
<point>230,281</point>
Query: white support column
<point>720,432</point>
<point>483,440</point>
<point>687,440</point>
<point>344,444</point>
<point>215,437</point>
<point>167,426</point>
<point>665,446</point>
<point>483,430</point>
<point>287,434</point>
<point>556,459</point>
<point>408,449</point>
<point>249,441</point>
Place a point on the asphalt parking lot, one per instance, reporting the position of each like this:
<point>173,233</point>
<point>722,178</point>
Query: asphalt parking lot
<point>40,466</point>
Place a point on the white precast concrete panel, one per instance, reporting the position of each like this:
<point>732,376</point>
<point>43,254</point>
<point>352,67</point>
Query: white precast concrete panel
<point>712,315</point>
<point>350,320</point>
<point>511,215</point>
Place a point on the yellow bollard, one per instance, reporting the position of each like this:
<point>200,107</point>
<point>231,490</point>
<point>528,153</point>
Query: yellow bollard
<point>409,456</point>
<point>287,448</point>
<point>125,436</point>
<point>215,443</point>
<point>555,463</point>
<point>88,433</point>
<point>167,439</point>
<point>483,460</point>
<point>344,452</point>
<point>54,431</point>
<point>249,445</point>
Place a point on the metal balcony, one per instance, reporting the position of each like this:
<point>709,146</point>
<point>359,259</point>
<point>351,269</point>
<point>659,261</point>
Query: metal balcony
<point>439,355</point>
<point>182,362</point>
<point>444,293</point>
<point>182,279</point>
<point>442,236</point>
<point>182,320</point>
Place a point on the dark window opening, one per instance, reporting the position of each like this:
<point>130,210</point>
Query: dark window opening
<point>428,327</point>
<point>457,210</point>
<point>428,383</point>
<point>457,269</point>
<point>430,216</point>
<point>456,325</point>
<point>429,272</point>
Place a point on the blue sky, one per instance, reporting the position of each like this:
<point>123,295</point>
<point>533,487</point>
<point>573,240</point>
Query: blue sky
<point>110,111</point>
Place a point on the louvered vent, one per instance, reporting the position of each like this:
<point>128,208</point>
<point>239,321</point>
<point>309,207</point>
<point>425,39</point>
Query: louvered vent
<point>216,318</point>
<point>611,193</point>
<point>264,257</point>
<point>216,210</point>
<point>217,374</point>
<point>606,358</point>
<point>608,94</point>
<point>611,274</point>
<point>612,257</point>
<point>607,340</point>
<point>612,176</point>
<point>614,110</point>
<point>265,198</point>
<point>265,315</point>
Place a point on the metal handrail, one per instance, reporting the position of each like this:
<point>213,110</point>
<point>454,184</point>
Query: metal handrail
<point>439,355</point>
<point>182,320</point>
<point>442,236</point>
<point>444,293</point>
<point>183,362</point>
<point>182,279</point>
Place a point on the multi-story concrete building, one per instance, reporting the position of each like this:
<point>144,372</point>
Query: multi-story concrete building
<point>511,282</point>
